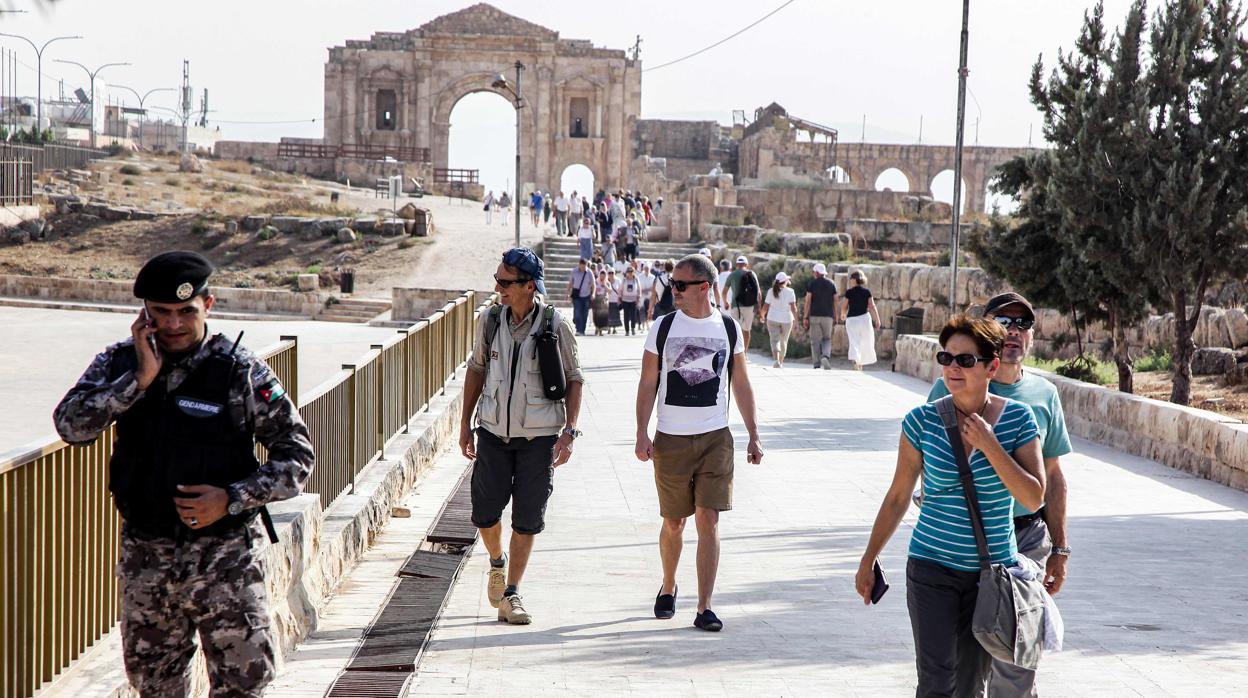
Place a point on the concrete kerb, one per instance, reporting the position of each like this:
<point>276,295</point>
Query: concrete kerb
<point>1203,443</point>
<point>316,550</point>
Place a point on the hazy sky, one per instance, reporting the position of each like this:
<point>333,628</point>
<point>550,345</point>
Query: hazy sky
<point>828,61</point>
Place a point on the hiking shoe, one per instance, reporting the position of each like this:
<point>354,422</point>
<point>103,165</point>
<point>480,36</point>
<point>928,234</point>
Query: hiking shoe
<point>498,584</point>
<point>775,364</point>
<point>826,363</point>
<point>707,620</point>
<point>665,604</point>
<point>511,609</point>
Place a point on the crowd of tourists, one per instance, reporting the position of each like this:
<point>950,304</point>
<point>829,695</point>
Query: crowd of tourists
<point>986,555</point>
<point>608,219</point>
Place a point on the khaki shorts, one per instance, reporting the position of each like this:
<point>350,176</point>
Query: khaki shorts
<point>743,314</point>
<point>693,471</point>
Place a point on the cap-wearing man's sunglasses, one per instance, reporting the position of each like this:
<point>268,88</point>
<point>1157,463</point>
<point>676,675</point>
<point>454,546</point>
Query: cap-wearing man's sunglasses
<point>506,283</point>
<point>944,358</point>
<point>1022,323</point>
<point>683,285</point>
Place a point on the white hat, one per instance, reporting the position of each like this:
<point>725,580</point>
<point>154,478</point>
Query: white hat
<point>742,260</point>
<point>706,251</point>
<point>782,277</point>
<point>820,268</point>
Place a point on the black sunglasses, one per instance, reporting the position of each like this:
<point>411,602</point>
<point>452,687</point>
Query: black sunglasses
<point>1021,323</point>
<point>683,285</point>
<point>506,283</point>
<point>944,358</point>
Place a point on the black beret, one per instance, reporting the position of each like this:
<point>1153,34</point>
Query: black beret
<point>173,277</point>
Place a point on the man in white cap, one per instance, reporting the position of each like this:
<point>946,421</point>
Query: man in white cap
<point>820,316</point>
<point>744,294</point>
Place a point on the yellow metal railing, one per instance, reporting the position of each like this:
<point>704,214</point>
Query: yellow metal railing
<point>59,532</point>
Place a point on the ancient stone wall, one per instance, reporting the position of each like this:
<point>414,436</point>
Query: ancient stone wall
<point>809,208</point>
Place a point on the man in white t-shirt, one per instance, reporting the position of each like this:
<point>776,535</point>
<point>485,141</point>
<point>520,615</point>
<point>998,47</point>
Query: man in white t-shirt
<point>562,205</point>
<point>691,357</point>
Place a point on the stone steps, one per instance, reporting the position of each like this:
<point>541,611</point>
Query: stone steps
<point>359,310</point>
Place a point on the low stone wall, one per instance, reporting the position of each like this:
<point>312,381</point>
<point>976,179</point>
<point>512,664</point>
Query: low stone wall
<point>303,304</point>
<point>806,208</point>
<point>413,304</point>
<point>245,150</point>
<point>316,551</point>
<point>1200,442</point>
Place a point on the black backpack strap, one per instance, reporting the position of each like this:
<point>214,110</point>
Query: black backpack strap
<point>493,319</point>
<point>949,417</point>
<point>660,340</point>
<point>730,328</point>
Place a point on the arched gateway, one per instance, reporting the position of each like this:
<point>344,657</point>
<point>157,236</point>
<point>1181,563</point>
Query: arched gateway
<point>398,89</point>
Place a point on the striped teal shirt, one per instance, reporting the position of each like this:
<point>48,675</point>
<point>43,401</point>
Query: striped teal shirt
<point>943,533</point>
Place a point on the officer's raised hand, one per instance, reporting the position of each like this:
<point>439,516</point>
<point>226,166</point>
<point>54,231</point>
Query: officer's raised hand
<point>203,505</point>
<point>144,332</point>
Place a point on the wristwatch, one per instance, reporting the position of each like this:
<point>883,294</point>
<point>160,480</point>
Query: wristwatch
<point>1061,550</point>
<point>235,506</point>
<point>573,432</point>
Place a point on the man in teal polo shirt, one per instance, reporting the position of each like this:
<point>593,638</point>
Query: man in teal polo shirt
<point>1041,535</point>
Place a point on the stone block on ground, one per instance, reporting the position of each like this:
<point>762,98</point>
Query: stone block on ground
<point>1213,361</point>
<point>116,213</point>
<point>364,225</point>
<point>17,236</point>
<point>391,228</point>
<point>190,163</point>
<point>308,282</point>
<point>408,212</point>
<point>231,227</point>
<point>288,224</point>
<point>346,235</point>
<point>252,223</point>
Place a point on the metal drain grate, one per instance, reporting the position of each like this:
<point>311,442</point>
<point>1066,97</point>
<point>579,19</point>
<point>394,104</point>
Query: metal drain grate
<point>423,563</point>
<point>396,637</point>
<point>369,684</point>
<point>454,526</point>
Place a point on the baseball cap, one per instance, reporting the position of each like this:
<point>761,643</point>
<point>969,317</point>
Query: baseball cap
<point>782,277</point>
<point>705,251</point>
<point>820,268</point>
<point>742,260</point>
<point>1001,300</point>
<point>528,263</point>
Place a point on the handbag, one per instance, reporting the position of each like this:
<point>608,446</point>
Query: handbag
<point>1008,620</point>
<point>549,359</point>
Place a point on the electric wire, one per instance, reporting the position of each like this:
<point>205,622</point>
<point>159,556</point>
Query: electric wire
<point>717,43</point>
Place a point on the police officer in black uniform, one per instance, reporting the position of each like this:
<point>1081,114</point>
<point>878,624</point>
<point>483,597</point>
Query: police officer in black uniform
<point>189,408</point>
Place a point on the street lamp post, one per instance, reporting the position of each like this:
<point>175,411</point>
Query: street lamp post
<point>142,98</point>
<point>39,74</point>
<point>91,74</point>
<point>500,83</point>
<point>957,163</point>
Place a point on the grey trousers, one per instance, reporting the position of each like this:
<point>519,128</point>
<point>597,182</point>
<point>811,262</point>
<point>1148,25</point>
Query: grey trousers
<point>1007,680</point>
<point>821,329</point>
<point>941,600</point>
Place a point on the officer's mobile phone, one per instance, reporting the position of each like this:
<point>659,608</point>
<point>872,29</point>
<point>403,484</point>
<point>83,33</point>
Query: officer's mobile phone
<point>147,322</point>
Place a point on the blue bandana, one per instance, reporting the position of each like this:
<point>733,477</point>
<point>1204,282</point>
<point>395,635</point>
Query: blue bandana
<point>528,263</point>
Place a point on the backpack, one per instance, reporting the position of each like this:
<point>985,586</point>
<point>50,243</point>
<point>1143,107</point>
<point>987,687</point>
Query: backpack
<point>749,290</point>
<point>666,304</point>
<point>730,328</point>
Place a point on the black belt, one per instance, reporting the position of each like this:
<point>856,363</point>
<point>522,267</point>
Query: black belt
<point>1026,520</point>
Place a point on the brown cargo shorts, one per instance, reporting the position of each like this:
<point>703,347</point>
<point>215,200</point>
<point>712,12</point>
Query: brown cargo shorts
<point>693,470</point>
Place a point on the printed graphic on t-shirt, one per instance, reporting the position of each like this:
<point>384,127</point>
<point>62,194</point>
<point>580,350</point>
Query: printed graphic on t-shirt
<point>696,364</point>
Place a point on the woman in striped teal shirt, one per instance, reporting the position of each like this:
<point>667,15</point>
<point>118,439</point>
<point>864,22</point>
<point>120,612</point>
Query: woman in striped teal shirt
<point>942,572</point>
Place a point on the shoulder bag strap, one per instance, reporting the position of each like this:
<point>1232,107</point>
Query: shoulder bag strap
<point>949,417</point>
<point>730,329</point>
<point>660,341</point>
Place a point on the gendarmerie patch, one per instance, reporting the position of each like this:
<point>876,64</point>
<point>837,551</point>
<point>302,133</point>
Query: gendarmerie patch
<point>198,408</point>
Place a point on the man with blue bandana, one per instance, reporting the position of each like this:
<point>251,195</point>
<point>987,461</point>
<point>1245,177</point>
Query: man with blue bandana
<point>521,434</point>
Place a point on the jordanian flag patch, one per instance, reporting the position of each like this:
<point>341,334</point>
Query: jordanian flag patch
<point>271,392</point>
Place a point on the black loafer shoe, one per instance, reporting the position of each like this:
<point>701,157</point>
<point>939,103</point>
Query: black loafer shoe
<point>665,604</point>
<point>707,620</point>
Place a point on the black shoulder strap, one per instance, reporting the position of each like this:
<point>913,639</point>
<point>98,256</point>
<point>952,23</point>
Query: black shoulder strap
<point>660,337</point>
<point>949,417</point>
<point>730,328</point>
<point>492,320</point>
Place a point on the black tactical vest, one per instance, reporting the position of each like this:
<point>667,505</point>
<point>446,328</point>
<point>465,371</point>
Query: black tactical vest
<point>183,437</point>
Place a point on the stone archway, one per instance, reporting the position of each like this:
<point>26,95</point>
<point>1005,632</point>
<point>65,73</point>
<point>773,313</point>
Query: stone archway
<point>580,101</point>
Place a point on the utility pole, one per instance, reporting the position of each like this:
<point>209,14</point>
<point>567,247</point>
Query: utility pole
<point>957,163</point>
<point>203,110</point>
<point>637,48</point>
<point>39,74</point>
<point>186,102</point>
<point>91,74</point>
<point>143,110</point>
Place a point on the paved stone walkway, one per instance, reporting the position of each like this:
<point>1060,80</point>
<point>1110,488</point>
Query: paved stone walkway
<point>1157,604</point>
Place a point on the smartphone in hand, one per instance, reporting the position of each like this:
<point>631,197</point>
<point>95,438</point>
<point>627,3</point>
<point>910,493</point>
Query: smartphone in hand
<point>881,584</point>
<point>151,338</point>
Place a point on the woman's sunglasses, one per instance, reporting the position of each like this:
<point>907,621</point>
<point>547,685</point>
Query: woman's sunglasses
<point>1022,323</point>
<point>683,285</point>
<point>944,358</point>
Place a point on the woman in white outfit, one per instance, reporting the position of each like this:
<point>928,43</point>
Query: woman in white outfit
<point>780,309</point>
<point>861,321</point>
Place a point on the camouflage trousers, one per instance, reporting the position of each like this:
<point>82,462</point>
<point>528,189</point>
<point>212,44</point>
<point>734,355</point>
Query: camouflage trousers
<point>212,587</point>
